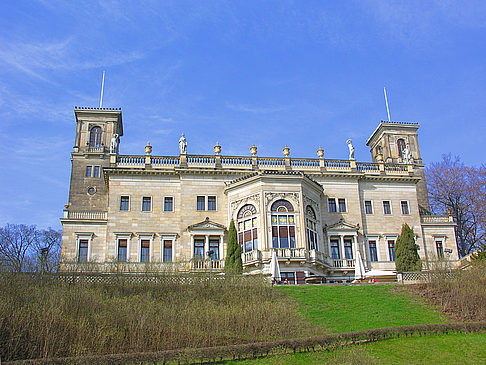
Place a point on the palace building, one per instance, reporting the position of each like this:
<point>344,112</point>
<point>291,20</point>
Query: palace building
<point>166,213</point>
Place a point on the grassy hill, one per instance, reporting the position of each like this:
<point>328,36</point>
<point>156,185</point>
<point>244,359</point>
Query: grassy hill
<point>355,308</point>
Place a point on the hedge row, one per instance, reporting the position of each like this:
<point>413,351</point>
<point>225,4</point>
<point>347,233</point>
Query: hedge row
<point>255,350</point>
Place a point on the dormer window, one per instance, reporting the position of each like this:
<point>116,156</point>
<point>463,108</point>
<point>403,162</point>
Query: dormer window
<point>95,137</point>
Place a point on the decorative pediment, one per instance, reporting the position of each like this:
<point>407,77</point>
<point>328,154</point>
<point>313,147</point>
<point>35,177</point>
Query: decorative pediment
<point>206,225</point>
<point>342,225</point>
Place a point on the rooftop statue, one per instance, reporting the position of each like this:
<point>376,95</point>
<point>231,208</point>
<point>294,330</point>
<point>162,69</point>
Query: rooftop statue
<point>351,149</point>
<point>183,144</point>
<point>114,143</point>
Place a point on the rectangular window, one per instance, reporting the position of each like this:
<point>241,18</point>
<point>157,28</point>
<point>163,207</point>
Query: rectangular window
<point>284,237</point>
<point>348,248</point>
<point>124,202</point>
<point>167,251</point>
<point>96,171</point>
<point>214,246</point>
<point>288,278</point>
<point>386,207</point>
<point>342,205</point>
<point>122,250</point>
<point>373,251</point>
<point>201,203</point>
<point>331,202</point>
<point>145,250</point>
<point>146,204</point>
<point>168,204</point>
<point>292,236</point>
<point>198,249</point>
<point>368,207</point>
<point>83,251</point>
<point>391,250</point>
<point>275,237</point>
<point>440,249</point>
<point>404,205</point>
<point>88,171</point>
<point>255,239</point>
<point>211,203</point>
<point>335,250</point>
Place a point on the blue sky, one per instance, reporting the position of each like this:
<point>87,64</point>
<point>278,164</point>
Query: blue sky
<point>301,73</point>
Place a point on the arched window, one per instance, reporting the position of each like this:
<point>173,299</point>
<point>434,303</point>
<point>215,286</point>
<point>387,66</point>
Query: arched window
<point>283,225</point>
<point>247,228</point>
<point>95,137</point>
<point>311,229</point>
<point>401,147</point>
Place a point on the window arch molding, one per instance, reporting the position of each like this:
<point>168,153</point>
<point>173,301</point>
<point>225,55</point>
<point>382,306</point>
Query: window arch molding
<point>283,222</point>
<point>401,145</point>
<point>311,228</point>
<point>247,227</point>
<point>95,136</point>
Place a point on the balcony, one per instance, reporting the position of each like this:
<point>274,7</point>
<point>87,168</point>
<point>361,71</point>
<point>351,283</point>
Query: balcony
<point>343,263</point>
<point>256,257</point>
<point>262,163</point>
<point>436,219</point>
<point>85,215</point>
<point>206,265</point>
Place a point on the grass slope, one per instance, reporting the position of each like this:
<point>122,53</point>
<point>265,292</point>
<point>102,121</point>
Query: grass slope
<point>444,349</point>
<point>355,308</point>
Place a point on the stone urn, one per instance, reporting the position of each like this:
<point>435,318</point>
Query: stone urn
<point>286,151</point>
<point>320,152</point>
<point>253,150</point>
<point>148,149</point>
<point>217,148</point>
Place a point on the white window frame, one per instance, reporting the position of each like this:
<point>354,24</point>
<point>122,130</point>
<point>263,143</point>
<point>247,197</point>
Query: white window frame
<point>173,204</point>
<point>383,205</point>
<point>145,236</point>
<point>168,237</point>
<point>151,204</point>
<point>408,207</point>
<point>206,205</point>
<point>83,236</point>
<point>377,240</point>
<point>372,207</point>
<point>124,236</point>
<point>390,237</point>
<point>335,204</point>
<point>129,203</point>
<point>99,171</point>
<point>345,205</point>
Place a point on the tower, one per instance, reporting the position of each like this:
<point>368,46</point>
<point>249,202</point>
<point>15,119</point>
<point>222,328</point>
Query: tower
<point>397,143</point>
<point>97,138</point>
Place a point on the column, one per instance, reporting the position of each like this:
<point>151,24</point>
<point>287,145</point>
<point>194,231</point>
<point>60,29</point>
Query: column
<point>192,246</point>
<point>341,241</point>
<point>221,247</point>
<point>206,245</point>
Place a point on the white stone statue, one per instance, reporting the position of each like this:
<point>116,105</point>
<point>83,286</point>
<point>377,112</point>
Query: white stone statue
<point>351,149</point>
<point>407,158</point>
<point>114,143</point>
<point>183,144</point>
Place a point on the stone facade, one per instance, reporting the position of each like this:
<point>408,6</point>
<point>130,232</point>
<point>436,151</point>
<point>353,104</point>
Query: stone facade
<point>166,213</point>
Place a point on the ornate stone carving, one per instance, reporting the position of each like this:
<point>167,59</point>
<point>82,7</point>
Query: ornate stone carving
<point>255,198</point>
<point>314,205</point>
<point>294,197</point>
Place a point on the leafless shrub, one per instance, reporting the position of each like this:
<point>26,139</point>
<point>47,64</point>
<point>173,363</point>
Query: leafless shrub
<point>42,318</point>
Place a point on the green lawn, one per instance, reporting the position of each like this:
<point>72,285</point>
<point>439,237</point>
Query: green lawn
<point>355,308</point>
<point>444,349</point>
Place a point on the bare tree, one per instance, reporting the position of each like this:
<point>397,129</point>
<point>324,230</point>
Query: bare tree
<point>16,242</point>
<point>47,250</point>
<point>459,190</point>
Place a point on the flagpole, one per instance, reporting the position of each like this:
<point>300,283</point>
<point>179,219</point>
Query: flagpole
<point>102,86</point>
<point>386,101</point>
